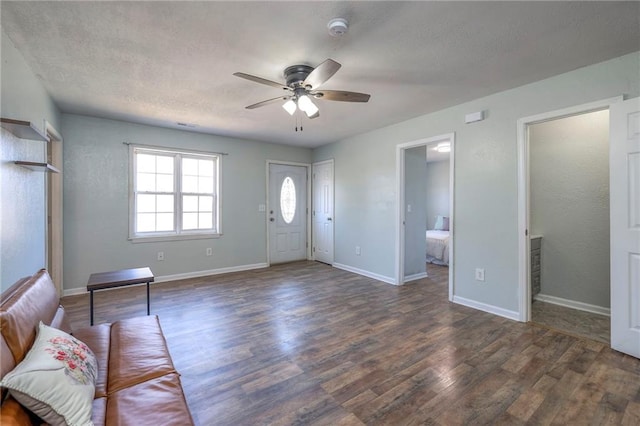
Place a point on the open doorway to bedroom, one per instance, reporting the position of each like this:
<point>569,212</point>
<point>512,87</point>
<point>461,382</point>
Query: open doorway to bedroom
<point>425,210</point>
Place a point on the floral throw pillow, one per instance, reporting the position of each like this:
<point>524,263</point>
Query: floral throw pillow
<point>56,379</point>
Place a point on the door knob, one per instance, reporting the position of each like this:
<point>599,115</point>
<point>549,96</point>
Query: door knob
<point>329,218</point>
<point>271,219</point>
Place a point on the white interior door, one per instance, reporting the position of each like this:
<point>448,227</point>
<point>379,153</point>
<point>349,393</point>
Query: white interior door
<point>287,213</point>
<point>624,160</point>
<point>323,212</point>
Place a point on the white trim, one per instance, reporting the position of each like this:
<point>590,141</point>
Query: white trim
<point>524,290</point>
<point>505,313</point>
<point>266,218</point>
<point>186,275</point>
<point>447,137</point>
<point>415,277</point>
<point>388,280</point>
<point>573,304</point>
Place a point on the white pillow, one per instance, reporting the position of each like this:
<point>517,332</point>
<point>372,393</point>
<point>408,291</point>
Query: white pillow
<point>442,223</point>
<point>56,379</point>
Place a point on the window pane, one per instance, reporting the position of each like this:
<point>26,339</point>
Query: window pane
<point>164,222</point>
<point>206,204</point>
<point>190,221</point>
<point>164,203</point>
<point>288,200</point>
<point>189,203</point>
<point>189,166</point>
<point>146,163</point>
<point>146,182</point>
<point>205,167</point>
<point>205,185</point>
<point>146,203</point>
<point>205,221</point>
<point>145,222</point>
<point>165,183</point>
<point>189,184</point>
<point>164,164</point>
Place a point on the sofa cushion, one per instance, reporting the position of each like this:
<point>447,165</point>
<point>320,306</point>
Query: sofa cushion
<point>98,338</point>
<point>56,378</point>
<point>138,352</point>
<point>23,308</point>
<point>158,401</point>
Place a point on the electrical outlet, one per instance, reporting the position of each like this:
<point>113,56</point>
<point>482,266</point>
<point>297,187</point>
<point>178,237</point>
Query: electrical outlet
<point>209,251</point>
<point>160,255</point>
<point>479,274</point>
<point>357,250</point>
<point>408,208</point>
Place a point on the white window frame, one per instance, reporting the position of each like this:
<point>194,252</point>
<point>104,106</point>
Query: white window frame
<point>178,233</point>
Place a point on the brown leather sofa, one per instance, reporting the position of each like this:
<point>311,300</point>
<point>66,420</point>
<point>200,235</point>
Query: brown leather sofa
<point>136,383</point>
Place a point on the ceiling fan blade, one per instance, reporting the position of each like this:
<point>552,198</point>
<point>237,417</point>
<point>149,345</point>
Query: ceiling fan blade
<point>260,80</point>
<point>321,74</point>
<point>268,102</point>
<point>341,95</point>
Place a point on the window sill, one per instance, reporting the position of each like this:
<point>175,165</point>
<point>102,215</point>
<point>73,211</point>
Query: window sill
<point>182,237</point>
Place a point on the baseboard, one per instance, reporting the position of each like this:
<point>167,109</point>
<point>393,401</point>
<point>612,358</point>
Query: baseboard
<point>505,313</point>
<point>415,277</point>
<point>184,276</point>
<point>594,309</point>
<point>367,274</point>
<point>197,274</point>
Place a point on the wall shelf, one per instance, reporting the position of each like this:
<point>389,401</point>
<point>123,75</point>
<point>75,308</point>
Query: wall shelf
<point>38,167</point>
<point>23,129</point>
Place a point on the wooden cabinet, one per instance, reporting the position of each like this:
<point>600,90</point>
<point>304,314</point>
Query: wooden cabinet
<point>536,263</point>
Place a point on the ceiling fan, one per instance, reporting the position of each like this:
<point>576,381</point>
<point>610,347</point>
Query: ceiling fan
<point>302,84</point>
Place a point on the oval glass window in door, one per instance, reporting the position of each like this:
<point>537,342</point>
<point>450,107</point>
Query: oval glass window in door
<point>288,200</point>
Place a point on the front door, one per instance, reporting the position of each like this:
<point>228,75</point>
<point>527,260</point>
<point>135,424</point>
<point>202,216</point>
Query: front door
<point>287,213</point>
<point>624,160</point>
<point>323,212</point>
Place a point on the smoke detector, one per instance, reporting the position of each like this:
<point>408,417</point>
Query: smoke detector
<point>338,27</point>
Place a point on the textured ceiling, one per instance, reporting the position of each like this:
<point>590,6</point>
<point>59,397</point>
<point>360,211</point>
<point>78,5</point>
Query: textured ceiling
<point>167,62</point>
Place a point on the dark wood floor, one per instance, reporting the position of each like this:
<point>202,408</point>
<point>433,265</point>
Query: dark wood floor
<point>305,343</point>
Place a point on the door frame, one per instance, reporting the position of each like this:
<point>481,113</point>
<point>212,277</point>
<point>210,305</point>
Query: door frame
<point>400,200</point>
<point>54,209</point>
<point>266,216</point>
<point>333,204</point>
<point>524,260</point>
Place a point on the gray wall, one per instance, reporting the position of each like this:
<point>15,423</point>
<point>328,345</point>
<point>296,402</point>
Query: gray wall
<point>485,177</point>
<point>415,192</point>
<point>96,200</point>
<point>23,209</point>
<point>437,191</point>
<point>569,172</point>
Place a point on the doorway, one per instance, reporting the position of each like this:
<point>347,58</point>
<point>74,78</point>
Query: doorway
<point>287,218</point>
<point>412,210</point>
<point>569,224</point>
<point>529,242</point>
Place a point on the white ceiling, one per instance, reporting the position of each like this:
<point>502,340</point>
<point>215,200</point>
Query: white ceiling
<point>167,62</point>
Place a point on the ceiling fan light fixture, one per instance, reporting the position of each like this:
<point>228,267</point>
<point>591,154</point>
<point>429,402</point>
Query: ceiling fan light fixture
<point>305,104</point>
<point>290,106</point>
